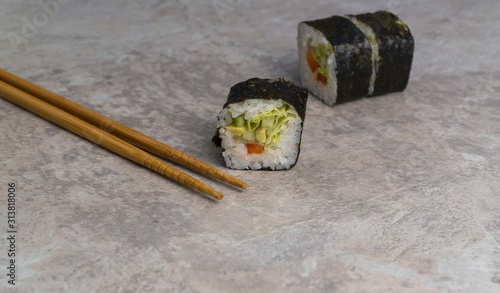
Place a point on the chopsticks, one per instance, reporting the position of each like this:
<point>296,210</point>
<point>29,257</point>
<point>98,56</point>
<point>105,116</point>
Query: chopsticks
<point>108,133</point>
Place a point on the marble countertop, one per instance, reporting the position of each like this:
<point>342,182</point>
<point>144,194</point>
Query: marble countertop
<point>398,193</point>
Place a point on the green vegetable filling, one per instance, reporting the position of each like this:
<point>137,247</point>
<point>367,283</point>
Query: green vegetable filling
<point>264,128</point>
<point>320,53</point>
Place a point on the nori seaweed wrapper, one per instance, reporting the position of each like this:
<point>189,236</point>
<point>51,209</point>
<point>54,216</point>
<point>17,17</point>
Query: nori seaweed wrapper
<point>267,89</point>
<point>396,46</point>
<point>353,53</point>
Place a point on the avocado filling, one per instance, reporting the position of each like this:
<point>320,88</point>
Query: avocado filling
<point>318,60</point>
<point>263,129</point>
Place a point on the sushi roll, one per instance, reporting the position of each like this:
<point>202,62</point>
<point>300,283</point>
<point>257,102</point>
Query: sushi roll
<point>392,45</point>
<point>343,58</point>
<point>260,125</point>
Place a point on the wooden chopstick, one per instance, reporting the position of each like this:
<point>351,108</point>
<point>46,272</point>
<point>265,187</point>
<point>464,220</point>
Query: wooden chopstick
<point>128,134</point>
<point>100,137</point>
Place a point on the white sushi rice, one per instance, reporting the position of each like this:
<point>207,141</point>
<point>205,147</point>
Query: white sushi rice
<point>328,92</point>
<point>279,156</point>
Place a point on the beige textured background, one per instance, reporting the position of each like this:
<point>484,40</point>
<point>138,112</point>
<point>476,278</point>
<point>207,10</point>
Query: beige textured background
<point>398,193</point>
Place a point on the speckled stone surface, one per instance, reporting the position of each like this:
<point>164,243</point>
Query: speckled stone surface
<point>398,193</point>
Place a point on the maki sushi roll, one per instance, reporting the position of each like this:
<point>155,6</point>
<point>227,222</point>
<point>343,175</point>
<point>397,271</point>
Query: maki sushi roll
<point>392,50</point>
<point>343,58</point>
<point>335,59</point>
<point>260,125</point>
